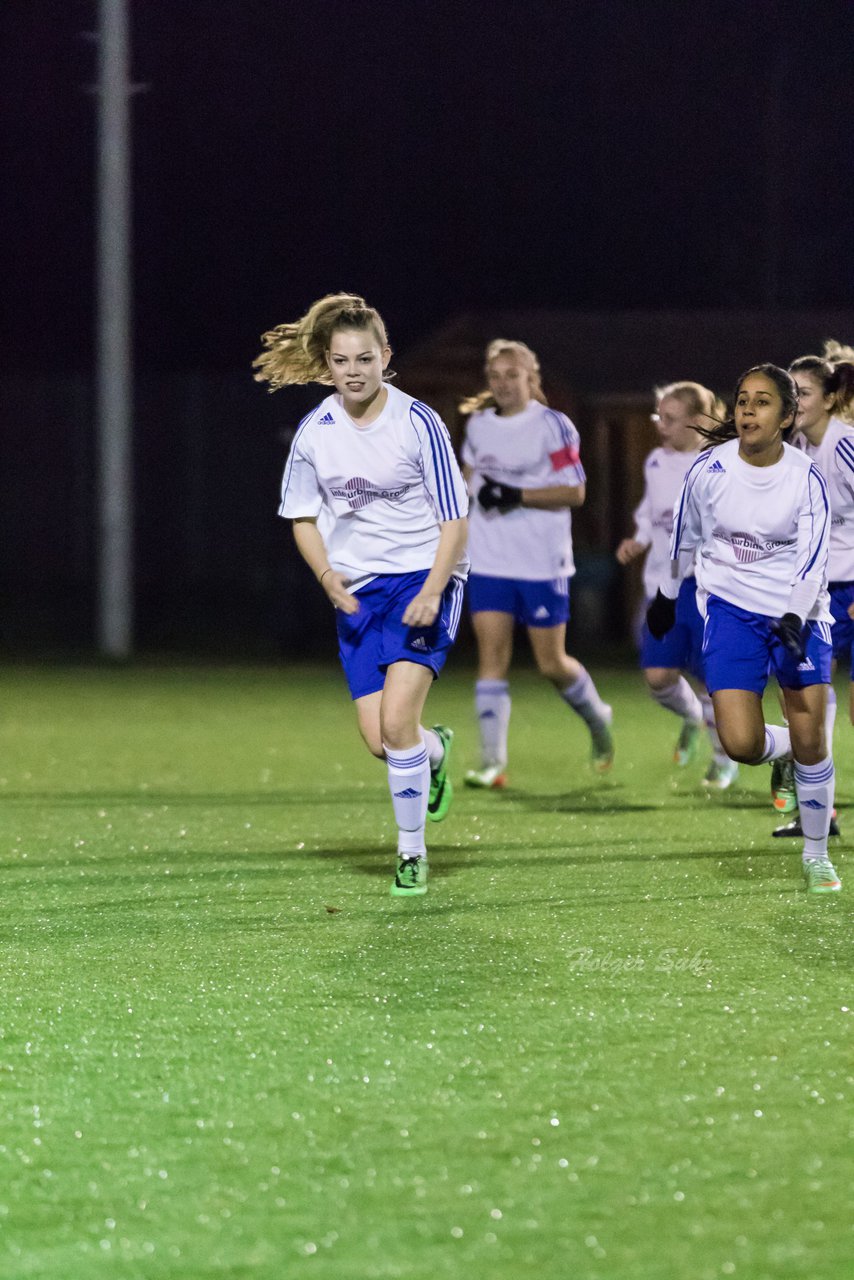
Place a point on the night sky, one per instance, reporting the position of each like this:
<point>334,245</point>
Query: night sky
<point>436,157</point>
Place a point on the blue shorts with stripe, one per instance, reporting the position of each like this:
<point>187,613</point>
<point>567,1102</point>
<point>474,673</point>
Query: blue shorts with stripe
<point>372,639</point>
<point>842,631</point>
<point>740,651</point>
<point>682,648</point>
<point>536,604</point>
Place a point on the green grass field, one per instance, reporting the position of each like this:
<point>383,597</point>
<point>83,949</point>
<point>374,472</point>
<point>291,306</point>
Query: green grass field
<point>613,1042</point>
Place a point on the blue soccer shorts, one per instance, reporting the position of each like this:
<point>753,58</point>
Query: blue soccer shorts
<point>740,651</point>
<point>372,639</point>
<point>842,631</point>
<point>536,604</point>
<point>682,647</point>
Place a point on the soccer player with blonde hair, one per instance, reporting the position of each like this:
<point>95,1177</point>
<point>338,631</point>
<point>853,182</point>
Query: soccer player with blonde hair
<point>378,506</point>
<point>522,462</point>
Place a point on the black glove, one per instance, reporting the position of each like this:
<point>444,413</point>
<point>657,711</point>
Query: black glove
<point>789,631</point>
<point>493,495</point>
<point>661,615</point>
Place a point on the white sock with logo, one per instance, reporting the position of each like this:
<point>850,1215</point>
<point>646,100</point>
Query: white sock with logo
<point>492,706</point>
<point>777,743</point>
<point>830,718</point>
<point>409,783</point>
<point>814,784</point>
<point>712,729</point>
<point>681,699</point>
<point>433,743</point>
<point>584,699</point>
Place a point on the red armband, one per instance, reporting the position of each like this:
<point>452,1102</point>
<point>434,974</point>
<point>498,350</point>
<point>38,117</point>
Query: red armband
<point>565,457</point>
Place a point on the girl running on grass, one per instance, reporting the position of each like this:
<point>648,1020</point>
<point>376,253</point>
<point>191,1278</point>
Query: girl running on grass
<point>824,432</point>
<point>379,515</point>
<point>521,462</point>
<point>754,516</point>
<point>680,408</point>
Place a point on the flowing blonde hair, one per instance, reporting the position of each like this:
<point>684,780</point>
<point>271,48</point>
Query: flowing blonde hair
<point>526,358</point>
<point>836,352</point>
<point>296,353</point>
<point>834,370</point>
<point>697,399</point>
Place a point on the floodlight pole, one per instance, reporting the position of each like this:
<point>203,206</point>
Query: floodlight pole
<point>114,358</point>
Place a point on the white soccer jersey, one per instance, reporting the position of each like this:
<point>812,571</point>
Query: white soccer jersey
<point>834,458</point>
<point>756,531</point>
<point>663,473</point>
<point>379,492</point>
<point>535,449</point>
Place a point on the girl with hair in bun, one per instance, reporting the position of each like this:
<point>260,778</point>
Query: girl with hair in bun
<point>824,431</point>
<point>378,506</point>
<point>753,521</point>
<point>521,461</point>
<point>680,408</point>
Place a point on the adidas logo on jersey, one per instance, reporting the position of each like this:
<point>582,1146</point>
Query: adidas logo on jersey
<point>542,612</point>
<point>716,466</point>
<point>409,794</point>
<point>326,421</point>
<point>419,643</point>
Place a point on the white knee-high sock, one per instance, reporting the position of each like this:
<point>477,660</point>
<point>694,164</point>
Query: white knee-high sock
<point>584,699</point>
<point>492,707</point>
<point>712,729</point>
<point>777,743</point>
<point>409,783</point>
<point>433,745</point>
<point>681,699</point>
<point>814,787</point>
<point>830,718</point>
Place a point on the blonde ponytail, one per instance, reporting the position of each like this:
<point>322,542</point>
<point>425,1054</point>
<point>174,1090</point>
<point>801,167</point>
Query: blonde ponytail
<point>296,353</point>
<point>697,399</point>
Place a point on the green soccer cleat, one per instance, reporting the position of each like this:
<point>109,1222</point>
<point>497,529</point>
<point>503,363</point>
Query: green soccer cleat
<point>783,785</point>
<point>720,775</point>
<point>602,746</point>
<point>491,777</point>
<point>411,878</point>
<point>820,876</point>
<point>441,789</point>
<point>687,743</point>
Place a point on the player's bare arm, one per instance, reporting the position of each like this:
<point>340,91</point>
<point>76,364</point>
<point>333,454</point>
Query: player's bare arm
<point>555,498</point>
<point>311,548</point>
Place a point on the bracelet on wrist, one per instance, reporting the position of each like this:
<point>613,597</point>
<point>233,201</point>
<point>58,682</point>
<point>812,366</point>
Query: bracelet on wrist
<point>323,575</point>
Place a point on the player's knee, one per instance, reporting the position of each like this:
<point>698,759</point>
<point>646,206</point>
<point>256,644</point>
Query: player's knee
<point>742,743</point>
<point>399,734</point>
<point>555,670</point>
<point>658,679</point>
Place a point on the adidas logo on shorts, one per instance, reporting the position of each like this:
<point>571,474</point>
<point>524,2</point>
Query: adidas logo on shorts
<point>419,643</point>
<point>542,612</point>
<point>326,421</point>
